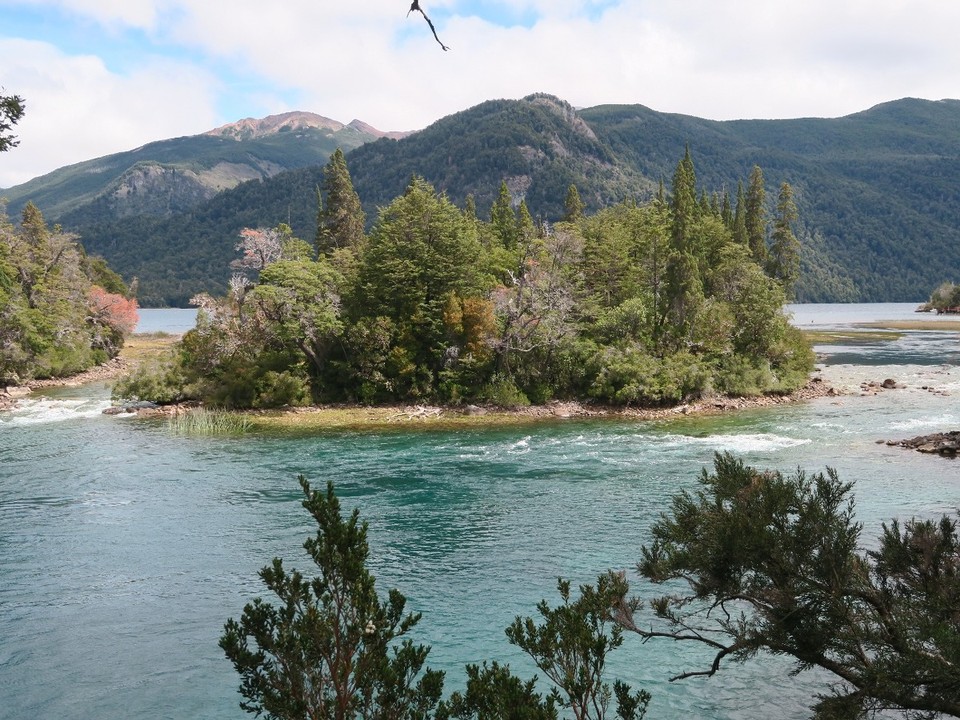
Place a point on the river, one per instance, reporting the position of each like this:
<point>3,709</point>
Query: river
<point>124,547</point>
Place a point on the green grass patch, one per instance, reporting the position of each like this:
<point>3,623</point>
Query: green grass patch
<point>209,423</point>
<point>850,337</point>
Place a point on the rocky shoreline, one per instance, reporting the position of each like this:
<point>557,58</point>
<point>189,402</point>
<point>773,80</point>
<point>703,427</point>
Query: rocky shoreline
<point>715,404</point>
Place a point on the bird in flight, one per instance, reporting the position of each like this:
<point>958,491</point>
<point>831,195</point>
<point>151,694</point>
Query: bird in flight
<point>416,6</point>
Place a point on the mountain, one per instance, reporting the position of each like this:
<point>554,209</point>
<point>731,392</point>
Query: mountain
<point>878,191</point>
<point>172,176</point>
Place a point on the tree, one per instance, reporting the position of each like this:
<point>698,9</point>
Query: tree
<point>755,215</point>
<point>771,565</point>
<point>422,250</point>
<point>11,111</point>
<point>340,222</point>
<point>572,205</point>
<point>328,649</point>
<point>784,262</point>
<point>503,218</point>
<point>258,247</point>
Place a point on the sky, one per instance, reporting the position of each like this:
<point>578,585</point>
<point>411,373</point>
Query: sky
<point>103,76</point>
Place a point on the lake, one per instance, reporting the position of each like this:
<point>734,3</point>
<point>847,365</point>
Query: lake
<point>124,547</point>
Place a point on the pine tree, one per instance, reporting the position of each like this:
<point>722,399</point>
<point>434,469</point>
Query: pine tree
<point>341,220</point>
<point>683,203</point>
<point>755,218</point>
<point>572,205</point>
<point>503,218</point>
<point>11,111</point>
<point>740,218</point>
<point>784,263</point>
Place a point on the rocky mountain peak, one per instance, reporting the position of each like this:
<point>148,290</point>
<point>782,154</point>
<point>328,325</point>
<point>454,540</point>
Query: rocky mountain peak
<point>250,128</point>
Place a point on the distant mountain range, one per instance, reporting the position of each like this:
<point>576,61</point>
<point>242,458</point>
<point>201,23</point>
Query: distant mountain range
<point>878,191</point>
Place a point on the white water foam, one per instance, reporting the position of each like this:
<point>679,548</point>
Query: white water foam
<point>745,443</point>
<point>42,410</point>
<point>935,421</point>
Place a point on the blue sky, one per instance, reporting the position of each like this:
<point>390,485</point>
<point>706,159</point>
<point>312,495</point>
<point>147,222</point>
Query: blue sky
<point>100,76</point>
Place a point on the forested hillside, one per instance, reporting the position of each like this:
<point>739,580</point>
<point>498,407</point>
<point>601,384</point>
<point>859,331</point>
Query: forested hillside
<point>877,191</point>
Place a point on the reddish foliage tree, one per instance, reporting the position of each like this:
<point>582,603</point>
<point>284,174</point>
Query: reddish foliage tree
<point>114,311</point>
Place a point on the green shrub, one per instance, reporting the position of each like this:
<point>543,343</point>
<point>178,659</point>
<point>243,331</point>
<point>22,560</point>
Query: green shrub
<point>503,392</point>
<point>160,381</point>
<point>280,389</point>
<point>630,376</point>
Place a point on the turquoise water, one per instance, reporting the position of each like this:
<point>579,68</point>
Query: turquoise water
<point>124,547</point>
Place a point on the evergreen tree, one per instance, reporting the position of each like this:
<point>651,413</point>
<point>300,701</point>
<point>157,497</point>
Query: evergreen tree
<point>526,228</point>
<point>684,286</point>
<point>572,205</point>
<point>755,216</point>
<point>781,555</point>
<point>683,203</point>
<point>739,229</point>
<point>421,251</point>
<point>726,211</point>
<point>341,219</point>
<point>503,219</point>
<point>784,263</point>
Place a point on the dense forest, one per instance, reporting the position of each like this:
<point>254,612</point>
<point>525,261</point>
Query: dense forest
<point>63,311</point>
<point>635,304</point>
<point>877,190</point>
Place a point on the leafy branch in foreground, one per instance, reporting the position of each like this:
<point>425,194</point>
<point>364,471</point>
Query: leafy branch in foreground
<point>327,650</point>
<point>771,564</point>
<point>570,645</point>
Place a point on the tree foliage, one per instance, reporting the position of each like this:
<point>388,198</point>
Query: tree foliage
<point>56,320</point>
<point>12,108</point>
<point>636,304</point>
<point>769,563</point>
<point>331,648</point>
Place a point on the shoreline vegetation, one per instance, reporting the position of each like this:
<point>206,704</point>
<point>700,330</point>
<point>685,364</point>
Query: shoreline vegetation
<point>141,348</point>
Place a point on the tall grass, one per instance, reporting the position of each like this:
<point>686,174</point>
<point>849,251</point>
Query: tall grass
<point>209,422</point>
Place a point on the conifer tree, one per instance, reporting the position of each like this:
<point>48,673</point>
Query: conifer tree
<point>726,211</point>
<point>755,216</point>
<point>341,220</point>
<point>572,205</point>
<point>331,647</point>
<point>740,218</point>
<point>684,286</point>
<point>683,203</point>
<point>784,263</point>
<point>526,228</point>
<point>503,218</point>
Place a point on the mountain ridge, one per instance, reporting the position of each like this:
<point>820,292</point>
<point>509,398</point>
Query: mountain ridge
<point>878,190</point>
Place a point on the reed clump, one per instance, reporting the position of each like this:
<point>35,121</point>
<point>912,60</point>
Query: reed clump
<point>209,423</point>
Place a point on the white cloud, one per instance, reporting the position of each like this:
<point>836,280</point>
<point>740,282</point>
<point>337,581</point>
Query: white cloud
<point>77,110</point>
<point>721,60</point>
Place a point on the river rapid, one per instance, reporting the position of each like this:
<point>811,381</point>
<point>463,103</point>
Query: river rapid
<point>124,547</point>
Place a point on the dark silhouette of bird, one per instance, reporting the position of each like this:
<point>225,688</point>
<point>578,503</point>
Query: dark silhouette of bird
<point>415,5</point>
